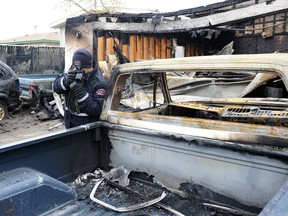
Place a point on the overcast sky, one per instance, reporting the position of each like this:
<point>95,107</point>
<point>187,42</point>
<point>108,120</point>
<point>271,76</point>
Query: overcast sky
<point>23,17</point>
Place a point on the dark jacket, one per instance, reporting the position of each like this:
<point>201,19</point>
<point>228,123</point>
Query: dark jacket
<point>85,106</point>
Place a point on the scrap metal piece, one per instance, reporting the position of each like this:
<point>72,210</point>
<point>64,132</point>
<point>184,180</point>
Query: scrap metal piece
<point>123,209</point>
<point>229,210</point>
<point>159,204</point>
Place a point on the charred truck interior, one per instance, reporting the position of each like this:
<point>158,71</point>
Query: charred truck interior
<point>216,95</point>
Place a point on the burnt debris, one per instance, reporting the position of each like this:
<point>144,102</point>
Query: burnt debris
<point>141,187</point>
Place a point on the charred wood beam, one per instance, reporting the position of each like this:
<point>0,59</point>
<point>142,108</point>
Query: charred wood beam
<point>256,11</point>
<point>211,21</point>
<point>193,12</point>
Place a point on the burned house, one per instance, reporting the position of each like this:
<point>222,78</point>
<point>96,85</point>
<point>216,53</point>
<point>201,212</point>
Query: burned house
<point>254,26</point>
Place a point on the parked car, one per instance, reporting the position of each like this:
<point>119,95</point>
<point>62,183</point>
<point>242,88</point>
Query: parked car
<point>9,91</point>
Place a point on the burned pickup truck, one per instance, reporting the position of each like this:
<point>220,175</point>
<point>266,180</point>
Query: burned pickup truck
<point>235,146</point>
<point>212,129</point>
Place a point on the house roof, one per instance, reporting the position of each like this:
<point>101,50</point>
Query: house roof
<point>48,38</point>
<point>61,22</point>
<point>217,16</point>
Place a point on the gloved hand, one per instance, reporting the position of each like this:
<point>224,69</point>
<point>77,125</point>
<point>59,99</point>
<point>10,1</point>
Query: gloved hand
<point>71,74</point>
<point>77,87</point>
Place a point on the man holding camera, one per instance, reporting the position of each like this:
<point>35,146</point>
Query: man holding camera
<point>84,88</point>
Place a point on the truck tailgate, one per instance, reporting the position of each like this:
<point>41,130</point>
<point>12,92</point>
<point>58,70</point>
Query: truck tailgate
<point>28,82</point>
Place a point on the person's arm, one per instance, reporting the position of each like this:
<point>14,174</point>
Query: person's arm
<point>92,103</point>
<point>61,84</point>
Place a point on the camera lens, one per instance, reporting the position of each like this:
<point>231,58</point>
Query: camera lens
<point>78,77</point>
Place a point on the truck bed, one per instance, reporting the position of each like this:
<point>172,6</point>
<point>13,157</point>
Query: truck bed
<point>61,175</point>
<point>178,204</point>
<point>27,186</point>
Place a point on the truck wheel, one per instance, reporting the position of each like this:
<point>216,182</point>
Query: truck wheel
<point>3,111</point>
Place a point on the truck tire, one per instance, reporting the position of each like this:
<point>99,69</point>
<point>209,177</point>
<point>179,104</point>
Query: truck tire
<point>3,111</point>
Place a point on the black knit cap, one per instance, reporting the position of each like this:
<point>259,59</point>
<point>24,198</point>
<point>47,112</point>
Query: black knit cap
<point>82,58</point>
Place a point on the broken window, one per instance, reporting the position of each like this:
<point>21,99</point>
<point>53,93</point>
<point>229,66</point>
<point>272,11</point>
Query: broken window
<point>141,92</point>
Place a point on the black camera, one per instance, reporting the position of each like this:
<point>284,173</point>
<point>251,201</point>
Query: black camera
<point>79,74</point>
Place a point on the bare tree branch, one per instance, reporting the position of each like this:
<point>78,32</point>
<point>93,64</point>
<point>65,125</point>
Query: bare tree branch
<point>108,5</point>
<point>78,5</point>
<point>103,5</point>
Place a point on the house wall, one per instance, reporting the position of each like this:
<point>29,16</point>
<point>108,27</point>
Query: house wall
<point>265,34</point>
<point>33,59</point>
<point>62,36</point>
<point>247,45</point>
<point>140,46</point>
<point>135,43</point>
